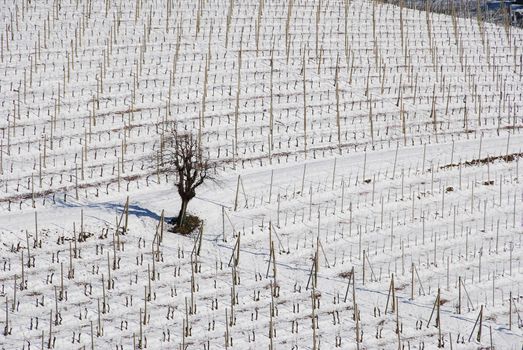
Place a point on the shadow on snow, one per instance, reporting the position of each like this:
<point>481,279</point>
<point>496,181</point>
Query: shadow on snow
<point>134,209</point>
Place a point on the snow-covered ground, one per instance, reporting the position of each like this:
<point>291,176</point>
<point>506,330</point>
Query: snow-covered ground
<point>370,146</point>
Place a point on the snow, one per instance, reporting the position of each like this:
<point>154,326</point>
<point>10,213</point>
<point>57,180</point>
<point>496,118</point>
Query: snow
<point>430,193</point>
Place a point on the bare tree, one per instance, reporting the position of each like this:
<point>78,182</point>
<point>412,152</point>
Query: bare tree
<point>185,159</point>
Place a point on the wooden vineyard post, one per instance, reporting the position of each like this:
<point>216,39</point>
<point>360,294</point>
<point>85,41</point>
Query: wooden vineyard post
<point>363,268</point>
<point>271,110</point>
<point>356,316</point>
<point>278,211</point>
<point>459,294</point>
<point>1,154</point>
<point>395,161</point>
<point>229,21</point>
<point>433,113</point>
<point>480,325</point>
<point>36,230</point>
<point>403,121</point>
<point>223,224</point>
<point>314,326</point>
<point>333,173</point>
<point>398,327</point>
<point>237,107</point>
<point>237,191</point>
<point>342,195</point>
<point>351,279</point>
<point>436,308</point>
<point>412,282</point>
<point>126,213</point>
<point>304,104</point>
<point>258,25</point>
<point>287,28</point>
<point>50,340</point>
<point>6,327</point>
<point>371,124</point>
<point>92,336</point>
<point>270,187</point>
<point>76,181</point>
<point>162,219</point>
<point>338,124</point>
<point>391,296</point>
<point>140,339</point>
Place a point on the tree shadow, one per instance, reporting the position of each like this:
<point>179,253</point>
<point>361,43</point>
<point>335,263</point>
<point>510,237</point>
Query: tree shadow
<point>134,210</point>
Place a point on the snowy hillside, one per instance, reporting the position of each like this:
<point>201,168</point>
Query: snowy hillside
<point>367,189</point>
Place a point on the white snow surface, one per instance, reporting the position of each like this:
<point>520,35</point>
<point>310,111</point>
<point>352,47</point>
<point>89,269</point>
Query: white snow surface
<point>355,134</point>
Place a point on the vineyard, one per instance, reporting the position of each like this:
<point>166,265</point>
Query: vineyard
<point>365,191</point>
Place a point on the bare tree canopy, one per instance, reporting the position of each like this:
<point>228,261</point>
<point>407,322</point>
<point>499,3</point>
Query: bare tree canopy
<point>185,159</point>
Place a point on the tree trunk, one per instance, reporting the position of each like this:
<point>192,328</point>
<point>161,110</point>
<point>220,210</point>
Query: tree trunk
<point>183,211</point>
